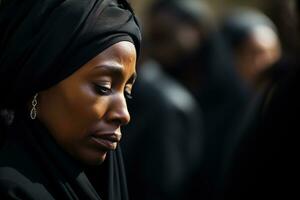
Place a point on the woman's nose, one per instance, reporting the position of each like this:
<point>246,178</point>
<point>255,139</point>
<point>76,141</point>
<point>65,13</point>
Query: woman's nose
<point>119,112</point>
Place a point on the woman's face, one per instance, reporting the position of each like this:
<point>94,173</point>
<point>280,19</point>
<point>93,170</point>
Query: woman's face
<point>258,53</point>
<point>85,111</point>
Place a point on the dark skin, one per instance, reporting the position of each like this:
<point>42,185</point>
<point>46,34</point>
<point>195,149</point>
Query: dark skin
<point>257,54</point>
<point>84,112</point>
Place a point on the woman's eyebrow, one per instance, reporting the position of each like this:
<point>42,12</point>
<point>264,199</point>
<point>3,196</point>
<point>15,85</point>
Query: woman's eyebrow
<point>115,70</point>
<point>111,68</point>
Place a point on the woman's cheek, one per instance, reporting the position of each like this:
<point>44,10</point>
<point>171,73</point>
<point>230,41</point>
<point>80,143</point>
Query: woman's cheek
<point>100,106</point>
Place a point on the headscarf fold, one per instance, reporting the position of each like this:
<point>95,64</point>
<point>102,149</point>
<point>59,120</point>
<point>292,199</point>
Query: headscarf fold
<point>43,42</point>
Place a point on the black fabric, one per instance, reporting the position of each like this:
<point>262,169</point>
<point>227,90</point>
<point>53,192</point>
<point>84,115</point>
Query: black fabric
<point>33,166</point>
<point>238,25</point>
<point>43,42</point>
<point>222,97</point>
<point>264,160</point>
<point>163,144</point>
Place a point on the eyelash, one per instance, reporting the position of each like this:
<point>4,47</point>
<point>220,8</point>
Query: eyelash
<point>128,96</point>
<point>102,90</point>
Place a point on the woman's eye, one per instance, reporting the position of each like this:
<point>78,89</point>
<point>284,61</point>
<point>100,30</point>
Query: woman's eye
<point>102,90</point>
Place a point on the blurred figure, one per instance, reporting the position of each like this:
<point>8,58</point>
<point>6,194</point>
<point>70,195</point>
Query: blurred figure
<point>253,38</point>
<point>175,30</point>
<point>163,145</point>
<point>182,37</point>
<point>263,160</point>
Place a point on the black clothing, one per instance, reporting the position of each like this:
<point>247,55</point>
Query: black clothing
<point>33,166</point>
<point>263,162</point>
<point>222,97</point>
<point>163,144</point>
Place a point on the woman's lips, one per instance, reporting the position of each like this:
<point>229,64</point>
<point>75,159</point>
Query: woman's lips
<point>106,141</point>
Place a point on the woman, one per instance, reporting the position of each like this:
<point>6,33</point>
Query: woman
<point>66,69</point>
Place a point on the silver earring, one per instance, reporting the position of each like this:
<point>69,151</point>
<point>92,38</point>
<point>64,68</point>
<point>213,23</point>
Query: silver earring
<point>33,110</point>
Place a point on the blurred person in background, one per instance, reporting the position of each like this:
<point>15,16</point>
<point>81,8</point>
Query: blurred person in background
<point>255,46</point>
<point>163,145</point>
<point>263,160</point>
<point>183,38</point>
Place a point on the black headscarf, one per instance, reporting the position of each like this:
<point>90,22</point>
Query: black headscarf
<point>42,43</point>
<point>238,25</point>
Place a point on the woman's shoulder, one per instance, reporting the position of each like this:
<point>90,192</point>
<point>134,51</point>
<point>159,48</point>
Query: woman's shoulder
<point>15,185</point>
<point>20,178</point>
<point>11,178</point>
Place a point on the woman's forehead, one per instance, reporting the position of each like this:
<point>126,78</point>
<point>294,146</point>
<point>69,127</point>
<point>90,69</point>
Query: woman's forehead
<point>118,54</point>
<point>119,59</point>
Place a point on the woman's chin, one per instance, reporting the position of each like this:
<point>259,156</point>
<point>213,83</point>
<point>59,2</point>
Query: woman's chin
<point>100,159</point>
<point>94,160</point>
